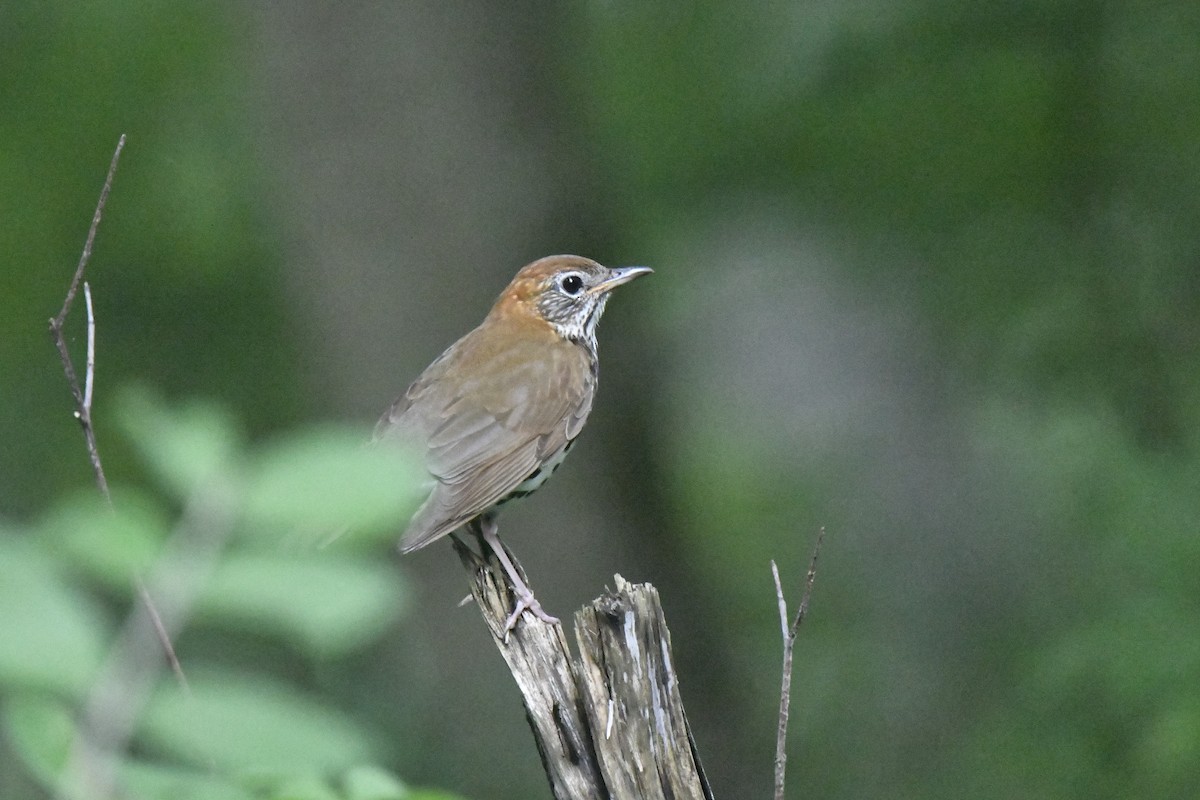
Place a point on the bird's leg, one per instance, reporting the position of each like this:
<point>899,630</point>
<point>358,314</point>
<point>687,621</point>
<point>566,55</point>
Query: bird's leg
<point>525,598</point>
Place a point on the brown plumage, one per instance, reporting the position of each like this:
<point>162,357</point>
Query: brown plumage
<point>497,411</point>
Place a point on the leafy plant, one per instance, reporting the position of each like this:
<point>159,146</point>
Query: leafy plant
<point>279,543</point>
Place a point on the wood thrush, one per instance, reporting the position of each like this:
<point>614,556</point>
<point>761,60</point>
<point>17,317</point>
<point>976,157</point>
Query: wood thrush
<point>496,413</point>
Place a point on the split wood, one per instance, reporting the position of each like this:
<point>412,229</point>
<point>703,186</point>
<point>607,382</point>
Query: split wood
<point>610,725</point>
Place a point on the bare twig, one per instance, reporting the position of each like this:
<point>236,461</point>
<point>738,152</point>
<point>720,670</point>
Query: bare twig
<point>83,410</point>
<point>164,637</point>
<point>90,372</point>
<point>789,642</point>
<point>83,405</point>
<point>128,676</point>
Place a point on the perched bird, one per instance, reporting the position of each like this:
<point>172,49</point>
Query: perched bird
<point>496,413</point>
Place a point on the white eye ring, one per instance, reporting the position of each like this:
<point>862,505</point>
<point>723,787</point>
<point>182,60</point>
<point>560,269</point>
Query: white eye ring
<point>571,284</point>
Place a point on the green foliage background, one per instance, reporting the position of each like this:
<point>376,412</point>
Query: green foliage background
<point>927,274</point>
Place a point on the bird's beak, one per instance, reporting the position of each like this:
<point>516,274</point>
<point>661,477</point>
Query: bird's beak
<point>618,276</point>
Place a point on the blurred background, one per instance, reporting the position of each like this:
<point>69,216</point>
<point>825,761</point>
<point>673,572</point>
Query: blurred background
<point>927,274</point>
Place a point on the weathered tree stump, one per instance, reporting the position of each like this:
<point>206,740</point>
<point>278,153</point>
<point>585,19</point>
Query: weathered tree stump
<point>609,725</point>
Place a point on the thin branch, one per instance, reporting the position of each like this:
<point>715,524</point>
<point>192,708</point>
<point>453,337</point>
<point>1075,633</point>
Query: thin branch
<point>785,689</point>
<point>57,322</point>
<point>90,372</point>
<point>783,615</point>
<point>164,637</point>
<point>789,643</point>
<point>83,411</point>
<point>808,585</point>
<point>118,696</point>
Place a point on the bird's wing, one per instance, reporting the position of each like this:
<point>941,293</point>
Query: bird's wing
<point>485,434</point>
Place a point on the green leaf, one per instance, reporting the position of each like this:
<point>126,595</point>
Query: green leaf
<point>150,781</point>
<point>329,479</point>
<point>328,603</point>
<point>364,782</point>
<point>41,730</point>
<point>302,788</point>
<point>235,723</point>
<point>431,794</point>
<point>109,544</point>
<point>373,783</point>
<point>51,634</point>
<point>185,446</point>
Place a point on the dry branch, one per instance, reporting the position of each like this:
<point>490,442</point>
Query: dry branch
<point>83,399</point>
<point>128,675</point>
<point>789,644</point>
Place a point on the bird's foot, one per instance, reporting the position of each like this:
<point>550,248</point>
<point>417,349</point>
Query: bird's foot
<point>524,595</point>
<point>526,602</point>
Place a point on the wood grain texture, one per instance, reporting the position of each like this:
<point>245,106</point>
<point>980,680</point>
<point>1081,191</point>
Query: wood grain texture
<point>537,656</point>
<point>611,724</point>
<point>631,693</point>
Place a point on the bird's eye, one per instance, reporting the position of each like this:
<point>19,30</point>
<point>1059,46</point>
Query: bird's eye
<point>571,284</point>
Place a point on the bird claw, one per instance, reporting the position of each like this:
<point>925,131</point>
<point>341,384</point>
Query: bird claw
<point>527,602</point>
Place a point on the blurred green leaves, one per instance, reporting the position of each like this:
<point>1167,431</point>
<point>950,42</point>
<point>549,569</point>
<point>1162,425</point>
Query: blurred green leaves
<point>225,548</point>
<point>185,446</point>
<point>51,634</point>
<point>239,724</point>
<point>42,729</point>
<point>327,478</point>
<point>347,602</point>
<point>107,544</point>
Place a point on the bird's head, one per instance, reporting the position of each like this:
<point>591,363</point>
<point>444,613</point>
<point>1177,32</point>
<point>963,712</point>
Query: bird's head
<point>567,292</point>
